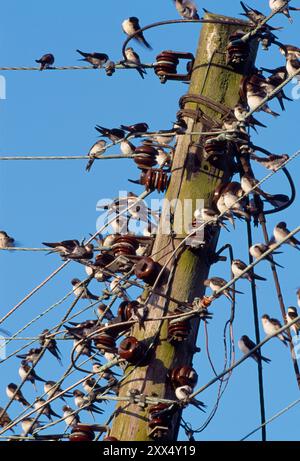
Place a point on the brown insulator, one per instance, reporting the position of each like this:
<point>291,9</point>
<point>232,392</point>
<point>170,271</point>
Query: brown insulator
<point>125,245</point>
<point>147,270</point>
<point>183,376</point>
<point>145,156</point>
<point>178,329</point>
<point>110,68</point>
<point>157,431</point>
<point>110,438</point>
<point>166,66</point>
<point>155,179</point>
<point>105,342</point>
<point>156,409</point>
<point>132,350</point>
<point>81,434</point>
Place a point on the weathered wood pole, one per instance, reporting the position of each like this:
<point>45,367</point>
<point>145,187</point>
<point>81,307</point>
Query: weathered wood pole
<point>192,178</point>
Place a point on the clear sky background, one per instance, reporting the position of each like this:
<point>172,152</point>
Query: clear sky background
<point>54,113</point>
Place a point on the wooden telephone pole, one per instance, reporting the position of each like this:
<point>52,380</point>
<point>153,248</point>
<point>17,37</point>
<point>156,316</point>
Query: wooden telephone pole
<point>192,178</point>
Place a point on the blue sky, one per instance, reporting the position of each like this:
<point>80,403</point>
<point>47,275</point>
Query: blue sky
<point>53,113</point>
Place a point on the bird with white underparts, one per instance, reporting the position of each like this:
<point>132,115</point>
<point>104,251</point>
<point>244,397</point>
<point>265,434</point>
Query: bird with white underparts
<point>131,27</point>
<point>187,9</point>
<point>239,266</point>
<point>132,58</point>
<point>258,249</point>
<point>286,8</point>
<point>216,283</point>
<point>291,315</point>
<point>96,151</point>
<point>272,326</point>
<point>280,232</point>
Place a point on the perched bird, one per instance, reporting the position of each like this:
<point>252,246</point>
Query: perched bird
<point>28,374</point>
<point>292,66</point>
<point>52,389</point>
<point>103,311</point>
<point>127,148</point>
<point>223,209</point>
<point>71,249</point>
<point>45,61</point>
<point>279,72</point>
<point>289,50</point>
<point>96,59</point>
<point>4,419</point>
<point>255,96</point>
<point>280,232</point>
<point>271,326</point>
<point>246,345</point>
<point>183,393</point>
<point>46,410</point>
<point>240,112</point>
<point>83,329</point>
<point>230,123</point>
<point>259,249</point>
<point>133,58</point>
<point>31,356</point>
<point>236,207</point>
<point>114,134</point>
<point>90,385</point>
<point>272,162</point>
<point>70,419</point>
<point>248,183</point>
<point>136,128</point>
<point>96,151</point>
<point>96,272</point>
<point>216,283</point>
<point>83,347</point>
<point>5,240</point>
<point>180,126</point>
<point>107,374</point>
<point>187,9</point>
<point>210,217</point>
<point>162,158</point>
<point>50,344</point>
<point>164,137</point>
<point>276,4</point>
<point>19,397</point>
<point>239,266</point>
<point>29,425</point>
<point>255,16</point>
<point>130,26</point>
<point>110,68</point>
<point>291,315</point>
<point>81,401</point>
<point>270,84</point>
<point>81,291</point>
